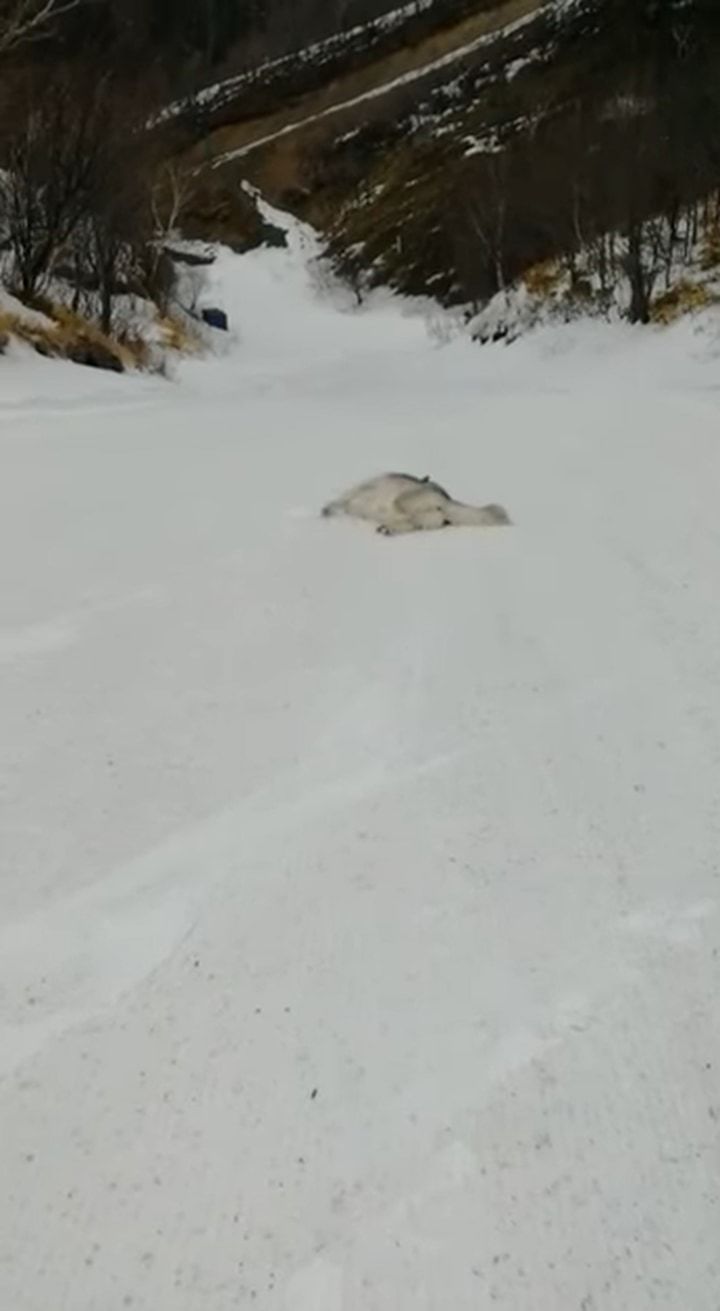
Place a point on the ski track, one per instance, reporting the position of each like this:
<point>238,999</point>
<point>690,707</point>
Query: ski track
<point>360,934</point>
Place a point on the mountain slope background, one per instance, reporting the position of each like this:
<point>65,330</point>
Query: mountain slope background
<point>442,147</point>
<point>451,149</point>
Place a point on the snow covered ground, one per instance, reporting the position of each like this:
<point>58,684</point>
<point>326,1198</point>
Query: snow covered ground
<point>360,918</point>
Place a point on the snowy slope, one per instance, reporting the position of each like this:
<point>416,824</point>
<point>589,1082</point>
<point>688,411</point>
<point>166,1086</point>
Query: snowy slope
<point>359,945</point>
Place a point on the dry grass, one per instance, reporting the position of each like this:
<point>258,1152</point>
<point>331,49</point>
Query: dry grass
<point>684,298</point>
<point>542,279</point>
<point>73,331</point>
<point>61,333</point>
<point>177,335</point>
<point>32,331</point>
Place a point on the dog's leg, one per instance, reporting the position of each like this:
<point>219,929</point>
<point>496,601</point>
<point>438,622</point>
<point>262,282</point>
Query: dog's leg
<point>396,527</point>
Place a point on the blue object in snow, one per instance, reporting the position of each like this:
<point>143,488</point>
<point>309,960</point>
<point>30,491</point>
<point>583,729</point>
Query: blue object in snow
<point>215,319</point>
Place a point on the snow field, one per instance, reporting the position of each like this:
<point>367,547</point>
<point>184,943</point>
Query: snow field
<point>359,938</point>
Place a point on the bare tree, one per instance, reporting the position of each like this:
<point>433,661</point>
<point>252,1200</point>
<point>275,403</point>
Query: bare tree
<point>79,187</point>
<point>50,152</point>
<point>486,212</point>
<point>642,262</point>
<point>117,236</point>
<point>119,243</point>
<point>29,20</point>
<point>172,191</point>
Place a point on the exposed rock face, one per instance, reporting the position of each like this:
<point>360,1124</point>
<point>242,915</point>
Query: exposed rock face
<point>221,211</point>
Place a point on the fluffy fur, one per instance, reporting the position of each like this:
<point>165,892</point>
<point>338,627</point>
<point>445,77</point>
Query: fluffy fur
<point>400,503</point>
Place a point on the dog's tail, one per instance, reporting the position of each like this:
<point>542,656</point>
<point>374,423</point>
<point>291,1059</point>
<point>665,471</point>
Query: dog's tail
<point>481,516</point>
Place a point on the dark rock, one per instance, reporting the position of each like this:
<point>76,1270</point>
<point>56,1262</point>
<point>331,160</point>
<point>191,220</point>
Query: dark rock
<point>273,236</point>
<point>95,355</point>
<point>221,211</point>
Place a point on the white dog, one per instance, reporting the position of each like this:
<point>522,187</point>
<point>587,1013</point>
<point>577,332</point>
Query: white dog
<point>400,503</point>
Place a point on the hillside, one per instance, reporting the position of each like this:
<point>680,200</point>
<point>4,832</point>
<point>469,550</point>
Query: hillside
<point>309,129</point>
<point>455,148</point>
<point>422,142</point>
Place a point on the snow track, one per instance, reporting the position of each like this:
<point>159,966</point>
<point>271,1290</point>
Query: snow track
<point>360,946</point>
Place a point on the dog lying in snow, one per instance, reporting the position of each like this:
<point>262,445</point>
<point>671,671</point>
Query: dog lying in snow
<point>400,503</point>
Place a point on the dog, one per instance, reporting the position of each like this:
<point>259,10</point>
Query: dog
<point>400,503</point>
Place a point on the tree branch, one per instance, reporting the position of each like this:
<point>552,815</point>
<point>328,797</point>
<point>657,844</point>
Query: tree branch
<point>30,20</point>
